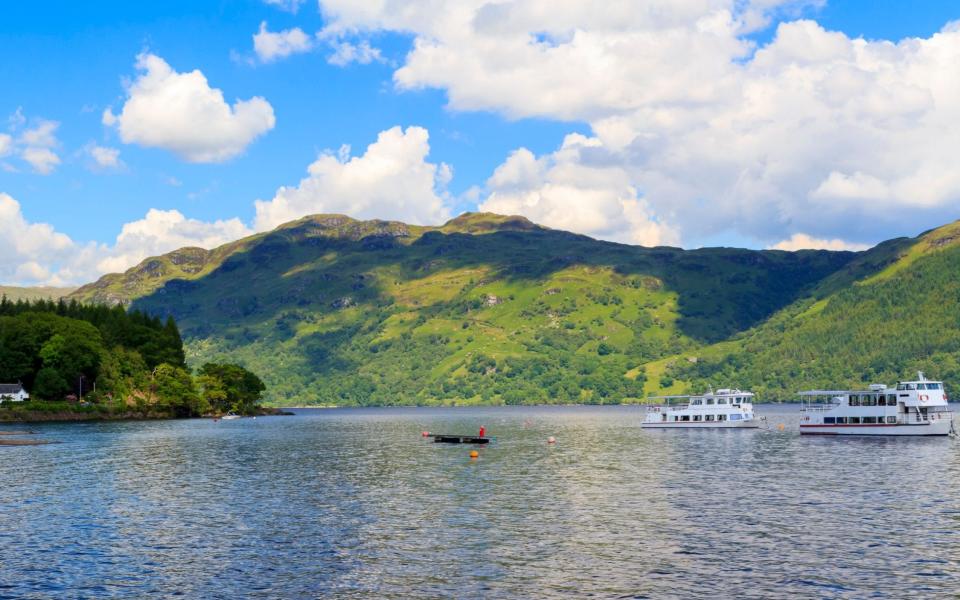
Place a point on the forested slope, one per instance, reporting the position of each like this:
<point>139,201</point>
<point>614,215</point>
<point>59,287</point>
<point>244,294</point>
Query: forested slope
<point>895,311</point>
<point>486,308</point>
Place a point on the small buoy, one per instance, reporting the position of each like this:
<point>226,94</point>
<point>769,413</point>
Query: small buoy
<point>551,440</point>
<point>424,433</point>
<point>474,454</point>
<point>780,426</point>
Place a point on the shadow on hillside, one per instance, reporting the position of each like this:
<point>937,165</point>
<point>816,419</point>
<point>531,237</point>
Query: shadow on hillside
<point>720,291</point>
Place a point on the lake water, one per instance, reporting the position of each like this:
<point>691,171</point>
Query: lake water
<point>354,503</point>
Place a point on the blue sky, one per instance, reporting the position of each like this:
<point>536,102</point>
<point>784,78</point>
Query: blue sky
<point>67,62</point>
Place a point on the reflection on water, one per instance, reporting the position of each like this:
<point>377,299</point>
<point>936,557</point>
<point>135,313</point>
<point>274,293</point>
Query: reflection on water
<point>354,503</point>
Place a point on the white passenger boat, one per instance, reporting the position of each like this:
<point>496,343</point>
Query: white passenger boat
<point>724,409</point>
<point>914,408</point>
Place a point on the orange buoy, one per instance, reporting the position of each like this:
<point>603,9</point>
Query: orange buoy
<point>780,426</point>
<point>551,440</point>
<point>424,433</point>
<point>474,454</point>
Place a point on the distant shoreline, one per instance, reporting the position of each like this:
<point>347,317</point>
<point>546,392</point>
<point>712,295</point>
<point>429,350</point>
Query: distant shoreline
<point>12,415</point>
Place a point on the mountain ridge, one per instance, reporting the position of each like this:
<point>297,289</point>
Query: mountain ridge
<point>488,308</point>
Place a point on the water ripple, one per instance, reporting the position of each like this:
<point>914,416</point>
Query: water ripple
<point>354,504</point>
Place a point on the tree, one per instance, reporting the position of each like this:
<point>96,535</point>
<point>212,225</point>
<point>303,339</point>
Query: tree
<point>50,385</point>
<point>175,391</point>
<point>229,387</point>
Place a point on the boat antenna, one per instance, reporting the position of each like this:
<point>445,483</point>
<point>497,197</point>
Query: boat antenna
<point>920,376</point>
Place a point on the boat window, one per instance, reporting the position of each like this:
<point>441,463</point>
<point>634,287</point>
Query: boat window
<point>708,418</point>
<point>881,401</point>
<point>829,420</point>
<point>697,402</point>
<point>922,386</point>
<point>709,400</point>
<point>853,420</point>
<point>696,417</point>
<point>722,401</point>
<point>854,400</point>
<point>721,417</point>
<point>841,420</point>
<point>870,420</point>
<point>901,387</point>
<point>891,400</point>
<point>685,418</point>
<point>891,419</point>
<point>933,386</point>
<point>911,386</point>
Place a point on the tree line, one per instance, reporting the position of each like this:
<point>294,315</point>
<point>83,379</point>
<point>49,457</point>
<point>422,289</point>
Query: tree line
<point>68,351</point>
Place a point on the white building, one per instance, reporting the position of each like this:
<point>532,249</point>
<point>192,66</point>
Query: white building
<point>12,392</point>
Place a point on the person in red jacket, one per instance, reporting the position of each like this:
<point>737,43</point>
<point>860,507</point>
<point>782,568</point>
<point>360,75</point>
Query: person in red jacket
<point>483,430</point>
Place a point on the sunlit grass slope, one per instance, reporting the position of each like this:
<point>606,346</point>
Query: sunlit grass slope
<point>484,309</point>
<point>890,312</point>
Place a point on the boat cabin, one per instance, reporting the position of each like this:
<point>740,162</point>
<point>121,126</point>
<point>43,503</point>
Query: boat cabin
<point>909,403</point>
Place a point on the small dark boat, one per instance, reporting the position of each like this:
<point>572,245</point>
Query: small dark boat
<point>459,439</point>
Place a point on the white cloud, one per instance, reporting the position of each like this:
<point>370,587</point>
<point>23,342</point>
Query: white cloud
<point>270,46</point>
<point>40,255</point>
<point>392,180</point>
<point>802,241</point>
<point>577,190</point>
<point>43,160</point>
<point>104,157</point>
<point>181,113</point>
<point>42,135</point>
<point>291,6</point>
<point>162,231</point>
<point>813,132</point>
<point>31,245</point>
<point>345,53</point>
<point>35,146</point>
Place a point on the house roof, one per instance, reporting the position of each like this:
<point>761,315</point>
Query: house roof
<point>10,388</point>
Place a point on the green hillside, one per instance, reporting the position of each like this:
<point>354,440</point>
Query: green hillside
<point>892,311</point>
<point>485,309</point>
<point>34,293</point>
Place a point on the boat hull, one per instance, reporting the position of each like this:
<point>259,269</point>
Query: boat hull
<point>941,427</point>
<point>702,425</point>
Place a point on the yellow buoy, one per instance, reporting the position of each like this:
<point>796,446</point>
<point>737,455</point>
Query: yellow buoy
<point>474,454</point>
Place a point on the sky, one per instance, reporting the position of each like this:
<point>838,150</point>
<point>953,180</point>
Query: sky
<point>131,129</point>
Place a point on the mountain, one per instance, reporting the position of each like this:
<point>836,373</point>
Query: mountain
<point>485,308</point>
<point>35,293</point>
<point>890,312</point>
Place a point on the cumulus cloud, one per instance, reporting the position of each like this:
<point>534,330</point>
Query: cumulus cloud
<point>575,189</point>
<point>40,255</point>
<point>36,145</point>
<point>270,46</point>
<point>291,6</point>
<point>103,157</point>
<point>813,132</point>
<point>181,113</point>
<point>34,244</point>
<point>43,160</point>
<point>391,180</point>
<point>161,231</point>
<point>345,52</point>
<point>802,241</point>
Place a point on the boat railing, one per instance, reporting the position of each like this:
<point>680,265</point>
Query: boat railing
<point>819,407</point>
<point>925,418</point>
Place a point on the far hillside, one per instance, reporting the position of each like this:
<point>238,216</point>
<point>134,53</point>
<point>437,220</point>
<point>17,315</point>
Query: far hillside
<point>875,322</point>
<point>35,293</point>
<point>484,309</point>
